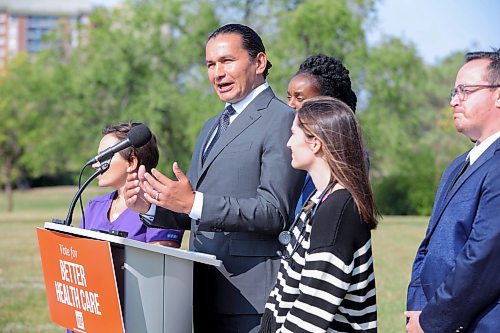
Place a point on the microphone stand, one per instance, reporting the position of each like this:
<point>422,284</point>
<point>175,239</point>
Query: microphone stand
<point>100,170</point>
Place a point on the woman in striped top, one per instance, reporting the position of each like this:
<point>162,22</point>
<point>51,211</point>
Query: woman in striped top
<point>326,280</point>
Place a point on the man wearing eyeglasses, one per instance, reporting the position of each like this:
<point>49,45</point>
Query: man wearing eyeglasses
<point>455,283</point>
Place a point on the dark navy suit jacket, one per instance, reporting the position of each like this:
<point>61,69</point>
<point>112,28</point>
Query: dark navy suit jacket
<point>456,274</point>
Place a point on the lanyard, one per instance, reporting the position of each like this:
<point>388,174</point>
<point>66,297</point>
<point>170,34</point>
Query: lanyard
<point>286,236</point>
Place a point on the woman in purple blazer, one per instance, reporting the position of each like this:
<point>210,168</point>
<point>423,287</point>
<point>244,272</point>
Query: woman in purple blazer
<point>109,212</point>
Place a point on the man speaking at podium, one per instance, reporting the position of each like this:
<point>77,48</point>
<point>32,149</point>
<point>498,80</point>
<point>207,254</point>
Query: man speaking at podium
<point>239,191</point>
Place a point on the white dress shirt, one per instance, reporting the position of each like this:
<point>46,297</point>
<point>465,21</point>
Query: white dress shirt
<point>481,147</point>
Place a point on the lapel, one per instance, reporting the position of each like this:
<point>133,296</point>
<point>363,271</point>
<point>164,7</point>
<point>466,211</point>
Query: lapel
<point>445,193</point>
<point>247,117</point>
<point>446,196</point>
<point>207,135</point>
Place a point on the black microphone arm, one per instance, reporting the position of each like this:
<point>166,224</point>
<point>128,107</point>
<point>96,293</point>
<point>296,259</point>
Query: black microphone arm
<point>100,170</point>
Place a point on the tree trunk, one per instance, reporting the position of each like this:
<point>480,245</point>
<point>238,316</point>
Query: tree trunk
<point>7,176</point>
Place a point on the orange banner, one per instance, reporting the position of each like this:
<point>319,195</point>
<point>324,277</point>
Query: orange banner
<point>80,282</point>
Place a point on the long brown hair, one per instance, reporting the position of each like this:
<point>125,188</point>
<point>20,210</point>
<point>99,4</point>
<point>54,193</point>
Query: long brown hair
<point>334,124</point>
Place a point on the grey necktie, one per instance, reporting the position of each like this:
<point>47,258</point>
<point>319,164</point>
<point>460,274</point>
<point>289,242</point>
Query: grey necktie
<point>223,125</point>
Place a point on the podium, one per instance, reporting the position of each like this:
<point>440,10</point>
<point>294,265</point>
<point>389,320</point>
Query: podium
<point>154,283</point>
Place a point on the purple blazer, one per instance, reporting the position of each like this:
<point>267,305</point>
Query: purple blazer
<point>96,217</point>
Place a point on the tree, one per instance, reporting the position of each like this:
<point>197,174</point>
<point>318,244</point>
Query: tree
<point>13,113</point>
<point>24,91</point>
<point>335,28</point>
<point>141,62</point>
<point>144,61</point>
<point>408,128</point>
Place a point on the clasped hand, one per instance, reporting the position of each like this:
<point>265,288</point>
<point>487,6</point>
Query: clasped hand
<point>413,325</point>
<point>143,189</point>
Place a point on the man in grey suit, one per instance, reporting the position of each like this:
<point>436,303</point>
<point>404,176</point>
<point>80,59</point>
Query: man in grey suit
<point>240,189</point>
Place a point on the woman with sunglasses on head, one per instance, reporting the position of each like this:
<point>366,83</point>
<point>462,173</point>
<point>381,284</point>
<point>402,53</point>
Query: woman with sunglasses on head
<point>109,212</point>
<point>326,278</point>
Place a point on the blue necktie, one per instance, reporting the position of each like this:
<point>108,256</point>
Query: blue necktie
<point>307,189</point>
<point>223,125</point>
<point>463,168</point>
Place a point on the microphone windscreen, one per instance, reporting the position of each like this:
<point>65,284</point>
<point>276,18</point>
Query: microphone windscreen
<point>139,135</point>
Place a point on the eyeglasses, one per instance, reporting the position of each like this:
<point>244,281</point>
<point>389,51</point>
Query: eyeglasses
<point>463,93</point>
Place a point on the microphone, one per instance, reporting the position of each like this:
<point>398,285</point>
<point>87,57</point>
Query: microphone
<point>137,137</point>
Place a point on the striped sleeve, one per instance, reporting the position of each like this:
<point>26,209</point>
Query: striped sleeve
<point>328,284</point>
<point>326,281</point>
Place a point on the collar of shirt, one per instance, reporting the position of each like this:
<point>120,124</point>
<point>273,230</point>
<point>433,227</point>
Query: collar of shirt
<point>241,105</point>
<point>481,147</point>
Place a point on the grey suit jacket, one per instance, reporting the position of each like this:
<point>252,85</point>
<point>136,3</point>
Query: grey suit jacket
<point>249,194</point>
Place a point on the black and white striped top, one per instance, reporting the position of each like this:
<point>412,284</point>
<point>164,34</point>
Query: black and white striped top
<point>328,285</point>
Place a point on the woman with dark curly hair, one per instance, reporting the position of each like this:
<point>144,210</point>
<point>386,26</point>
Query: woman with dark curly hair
<point>320,75</point>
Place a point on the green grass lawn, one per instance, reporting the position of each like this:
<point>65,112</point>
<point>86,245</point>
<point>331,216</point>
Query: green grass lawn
<point>23,306</point>
<point>395,242</point>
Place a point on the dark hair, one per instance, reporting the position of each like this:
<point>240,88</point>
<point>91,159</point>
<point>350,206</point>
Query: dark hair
<point>493,74</point>
<point>250,40</point>
<point>146,155</point>
<point>333,123</point>
<point>332,78</point>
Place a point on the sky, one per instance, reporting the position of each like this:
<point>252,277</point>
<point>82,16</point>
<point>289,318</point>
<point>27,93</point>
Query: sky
<point>437,28</point>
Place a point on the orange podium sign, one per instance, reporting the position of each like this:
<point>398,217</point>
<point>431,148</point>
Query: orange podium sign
<point>80,283</point>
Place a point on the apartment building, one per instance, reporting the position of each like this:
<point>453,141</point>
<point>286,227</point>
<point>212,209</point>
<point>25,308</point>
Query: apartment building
<point>24,24</point>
